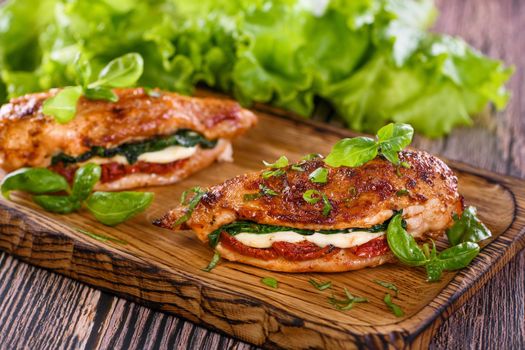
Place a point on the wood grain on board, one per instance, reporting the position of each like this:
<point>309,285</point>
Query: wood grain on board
<point>164,269</point>
<point>39,309</point>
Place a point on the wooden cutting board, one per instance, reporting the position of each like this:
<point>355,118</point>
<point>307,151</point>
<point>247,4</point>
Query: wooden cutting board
<point>163,270</point>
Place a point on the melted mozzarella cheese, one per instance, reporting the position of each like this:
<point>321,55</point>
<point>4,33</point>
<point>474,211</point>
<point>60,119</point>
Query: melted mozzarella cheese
<point>339,240</point>
<point>168,154</point>
<point>100,160</point>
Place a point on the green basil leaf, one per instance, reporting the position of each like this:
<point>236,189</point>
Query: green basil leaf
<point>352,152</point>
<point>100,237</point>
<point>85,179</point>
<point>191,204</point>
<point>83,70</point>
<point>57,204</point>
<point>434,270</point>
<point>458,256</point>
<point>453,258</point>
<point>320,285</point>
<point>311,156</point>
<point>312,196</point>
<point>403,245</point>
<point>270,282</point>
<point>33,180</point>
<point>388,285</point>
<point>214,261</point>
<point>390,155</point>
<point>396,310</point>
<point>112,208</point>
<point>273,173</point>
<point>63,106</point>
<point>396,135</point>
<point>319,175</point>
<point>123,71</point>
<point>347,303</point>
<point>327,206</point>
<point>101,93</point>
<point>403,192</point>
<point>265,190</point>
<point>279,163</point>
<point>468,228</point>
<point>393,138</point>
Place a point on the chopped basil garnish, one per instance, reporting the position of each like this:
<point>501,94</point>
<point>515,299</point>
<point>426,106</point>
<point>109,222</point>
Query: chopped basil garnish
<point>347,303</point>
<point>353,152</point>
<point>403,192</point>
<point>320,285</point>
<point>313,196</point>
<point>214,261</point>
<point>319,175</point>
<point>279,163</point>
<point>101,237</point>
<point>191,204</point>
<point>388,285</point>
<point>396,310</point>
<point>271,173</point>
<point>132,151</point>
<point>270,282</point>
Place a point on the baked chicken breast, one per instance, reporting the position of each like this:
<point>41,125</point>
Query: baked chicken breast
<point>146,138</point>
<point>268,221</point>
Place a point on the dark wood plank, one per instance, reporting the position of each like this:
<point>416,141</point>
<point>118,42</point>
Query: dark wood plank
<point>495,27</point>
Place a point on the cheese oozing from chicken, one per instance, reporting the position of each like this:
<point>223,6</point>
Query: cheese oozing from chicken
<point>166,155</point>
<point>339,240</point>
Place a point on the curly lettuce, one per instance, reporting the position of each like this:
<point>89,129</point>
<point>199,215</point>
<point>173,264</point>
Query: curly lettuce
<point>374,61</point>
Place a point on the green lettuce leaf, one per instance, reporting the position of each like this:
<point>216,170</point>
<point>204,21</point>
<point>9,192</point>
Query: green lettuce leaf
<point>374,61</point>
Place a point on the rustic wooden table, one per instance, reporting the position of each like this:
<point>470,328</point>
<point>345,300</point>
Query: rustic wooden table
<point>39,309</point>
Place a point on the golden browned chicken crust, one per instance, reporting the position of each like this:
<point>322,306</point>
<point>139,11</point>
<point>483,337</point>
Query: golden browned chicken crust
<point>30,138</point>
<point>360,198</point>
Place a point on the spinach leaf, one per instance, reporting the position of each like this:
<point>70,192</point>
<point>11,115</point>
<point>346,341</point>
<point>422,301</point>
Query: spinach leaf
<point>352,152</point>
<point>85,179</point>
<point>132,151</point>
<point>63,106</point>
<point>57,204</point>
<point>33,180</point>
<point>403,245</point>
<point>121,72</point>
<point>396,310</point>
<point>468,228</point>
<point>112,208</point>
